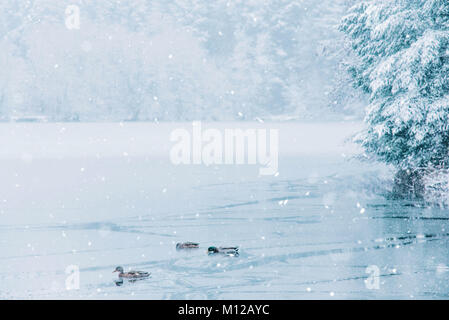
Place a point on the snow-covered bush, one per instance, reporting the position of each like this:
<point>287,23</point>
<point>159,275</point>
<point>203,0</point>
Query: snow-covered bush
<point>403,51</point>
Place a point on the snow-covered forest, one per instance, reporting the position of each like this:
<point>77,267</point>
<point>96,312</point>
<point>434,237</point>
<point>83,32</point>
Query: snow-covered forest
<point>174,60</point>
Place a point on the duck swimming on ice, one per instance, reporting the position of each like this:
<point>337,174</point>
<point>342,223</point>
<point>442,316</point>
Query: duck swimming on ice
<point>134,275</point>
<point>228,251</point>
<point>187,245</point>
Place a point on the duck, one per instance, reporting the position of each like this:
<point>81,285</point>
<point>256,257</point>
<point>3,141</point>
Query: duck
<point>187,245</point>
<point>228,251</point>
<point>131,274</point>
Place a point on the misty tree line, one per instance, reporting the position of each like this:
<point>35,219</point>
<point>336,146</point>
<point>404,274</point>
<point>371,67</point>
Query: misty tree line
<point>173,60</point>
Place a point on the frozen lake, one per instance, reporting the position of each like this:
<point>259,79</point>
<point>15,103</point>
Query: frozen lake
<point>96,196</point>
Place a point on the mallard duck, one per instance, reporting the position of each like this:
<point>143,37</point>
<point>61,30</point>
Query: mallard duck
<point>229,251</point>
<point>187,245</point>
<point>131,274</point>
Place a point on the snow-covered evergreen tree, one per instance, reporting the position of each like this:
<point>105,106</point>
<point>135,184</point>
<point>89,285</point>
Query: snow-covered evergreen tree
<point>403,51</point>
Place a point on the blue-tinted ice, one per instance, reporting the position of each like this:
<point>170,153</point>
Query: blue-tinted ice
<point>312,232</point>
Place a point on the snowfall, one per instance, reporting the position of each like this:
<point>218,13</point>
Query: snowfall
<point>93,196</point>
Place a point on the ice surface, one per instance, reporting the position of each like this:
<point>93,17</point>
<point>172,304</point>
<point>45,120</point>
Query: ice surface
<point>102,195</point>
